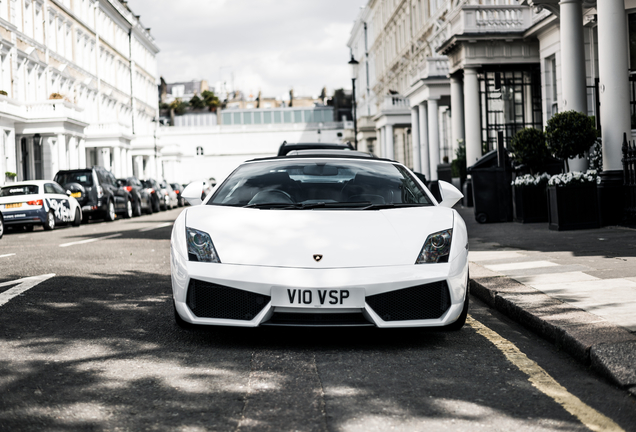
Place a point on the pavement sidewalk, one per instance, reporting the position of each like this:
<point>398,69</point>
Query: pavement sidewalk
<point>575,288</point>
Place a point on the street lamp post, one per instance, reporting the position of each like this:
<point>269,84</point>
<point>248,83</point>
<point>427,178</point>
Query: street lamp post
<point>354,74</point>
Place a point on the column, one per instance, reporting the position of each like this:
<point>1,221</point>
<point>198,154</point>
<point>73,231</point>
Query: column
<point>415,137</point>
<point>457,112</point>
<point>614,80</point>
<point>615,105</point>
<point>472,121</point>
<point>81,150</point>
<point>388,131</point>
<point>379,148</point>
<point>61,152</point>
<point>433,136</point>
<point>423,129</point>
<point>138,167</point>
<point>573,80</point>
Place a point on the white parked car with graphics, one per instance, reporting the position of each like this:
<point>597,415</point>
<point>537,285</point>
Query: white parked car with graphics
<point>38,202</point>
<point>321,239</point>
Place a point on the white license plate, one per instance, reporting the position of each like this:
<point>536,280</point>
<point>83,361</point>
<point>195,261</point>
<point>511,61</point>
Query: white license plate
<point>318,297</point>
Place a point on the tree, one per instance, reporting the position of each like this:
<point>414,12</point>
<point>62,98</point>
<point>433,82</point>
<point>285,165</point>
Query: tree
<point>530,149</point>
<point>196,102</point>
<point>210,100</point>
<point>178,106</point>
<point>570,134</point>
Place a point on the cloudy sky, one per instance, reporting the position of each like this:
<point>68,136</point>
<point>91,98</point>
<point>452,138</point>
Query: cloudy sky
<point>267,45</point>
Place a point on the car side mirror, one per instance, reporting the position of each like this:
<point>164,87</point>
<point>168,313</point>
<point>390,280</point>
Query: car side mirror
<point>192,193</point>
<point>450,194</point>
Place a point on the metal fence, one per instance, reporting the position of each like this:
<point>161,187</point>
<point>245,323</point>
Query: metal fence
<point>629,178</point>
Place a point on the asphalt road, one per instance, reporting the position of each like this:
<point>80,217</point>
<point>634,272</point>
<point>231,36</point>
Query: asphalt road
<point>94,347</point>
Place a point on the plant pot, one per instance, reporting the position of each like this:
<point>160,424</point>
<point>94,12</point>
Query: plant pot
<point>573,207</point>
<point>529,204</point>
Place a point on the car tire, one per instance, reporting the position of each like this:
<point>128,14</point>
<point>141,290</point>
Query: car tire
<point>180,321</point>
<point>49,224</point>
<point>137,211</point>
<point>77,220</point>
<point>481,218</point>
<point>149,210</point>
<point>110,212</point>
<point>461,320</point>
<point>1,227</point>
<point>156,206</point>
<point>129,209</point>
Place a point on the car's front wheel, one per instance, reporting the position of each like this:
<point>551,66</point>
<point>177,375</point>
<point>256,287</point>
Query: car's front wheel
<point>129,209</point>
<point>137,211</point>
<point>1,227</point>
<point>461,320</point>
<point>78,218</point>
<point>49,224</point>
<point>180,321</point>
<point>110,212</point>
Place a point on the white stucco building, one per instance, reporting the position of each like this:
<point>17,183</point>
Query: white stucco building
<point>199,147</point>
<point>463,70</point>
<point>80,79</point>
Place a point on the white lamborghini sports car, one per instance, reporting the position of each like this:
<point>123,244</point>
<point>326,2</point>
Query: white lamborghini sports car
<point>320,240</point>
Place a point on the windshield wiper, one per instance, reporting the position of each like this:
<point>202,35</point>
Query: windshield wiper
<point>390,205</point>
<point>270,205</point>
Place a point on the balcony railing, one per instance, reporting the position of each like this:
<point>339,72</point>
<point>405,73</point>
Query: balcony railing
<point>395,103</point>
<point>434,67</point>
<point>484,19</point>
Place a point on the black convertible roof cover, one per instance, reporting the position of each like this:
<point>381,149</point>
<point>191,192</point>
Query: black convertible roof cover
<point>286,147</point>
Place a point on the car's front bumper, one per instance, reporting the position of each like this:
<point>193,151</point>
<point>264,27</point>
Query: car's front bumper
<point>374,280</point>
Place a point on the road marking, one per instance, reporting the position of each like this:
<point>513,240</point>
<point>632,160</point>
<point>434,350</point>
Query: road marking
<point>540,379</point>
<point>520,265</point>
<point>494,255</point>
<point>163,225</point>
<point>6,255</point>
<point>90,240</point>
<point>24,285</point>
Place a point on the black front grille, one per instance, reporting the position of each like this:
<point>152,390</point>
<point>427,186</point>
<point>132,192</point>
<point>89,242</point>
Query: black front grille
<point>429,301</point>
<point>318,319</point>
<point>208,300</point>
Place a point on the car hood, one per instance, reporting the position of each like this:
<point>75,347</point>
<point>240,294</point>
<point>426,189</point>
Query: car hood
<point>344,238</point>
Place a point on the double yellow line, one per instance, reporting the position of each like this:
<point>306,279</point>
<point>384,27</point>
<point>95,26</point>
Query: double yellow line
<point>540,379</point>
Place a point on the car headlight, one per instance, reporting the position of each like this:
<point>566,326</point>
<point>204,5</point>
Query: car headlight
<point>436,248</point>
<point>200,246</point>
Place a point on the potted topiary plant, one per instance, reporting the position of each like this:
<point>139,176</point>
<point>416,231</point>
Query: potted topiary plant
<point>529,199</point>
<point>10,176</point>
<point>572,196</point>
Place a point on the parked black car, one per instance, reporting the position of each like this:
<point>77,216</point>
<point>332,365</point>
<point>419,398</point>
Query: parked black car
<point>141,198</point>
<point>153,188</point>
<point>98,193</point>
<point>178,188</point>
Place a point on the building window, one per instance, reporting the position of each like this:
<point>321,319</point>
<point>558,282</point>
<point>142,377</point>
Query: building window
<point>277,117</point>
<point>199,151</point>
<point>510,101</point>
<point>298,116</point>
<point>257,118</point>
<point>552,98</point>
<point>237,118</point>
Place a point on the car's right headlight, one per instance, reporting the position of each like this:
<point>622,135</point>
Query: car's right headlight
<point>200,246</point>
<point>436,248</point>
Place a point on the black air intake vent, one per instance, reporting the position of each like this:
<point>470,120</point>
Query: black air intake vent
<point>429,301</point>
<point>208,300</point>
<point>318,319</point>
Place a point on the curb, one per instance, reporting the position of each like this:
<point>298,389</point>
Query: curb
<point>609,350</point>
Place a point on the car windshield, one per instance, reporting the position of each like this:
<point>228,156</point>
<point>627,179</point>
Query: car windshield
<point>19,190</point>
<point>321,183</point>
<point>85,178</point>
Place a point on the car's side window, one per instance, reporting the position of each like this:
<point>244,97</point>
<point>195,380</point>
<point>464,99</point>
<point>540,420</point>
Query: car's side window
<point>49,189</point>
<point>58,189</point>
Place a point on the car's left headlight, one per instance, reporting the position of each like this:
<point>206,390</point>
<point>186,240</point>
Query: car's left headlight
<point>436,248</point>
<point>200,246</point>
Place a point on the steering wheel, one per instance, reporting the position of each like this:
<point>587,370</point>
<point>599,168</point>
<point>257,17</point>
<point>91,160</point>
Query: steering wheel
<point>274,196</point>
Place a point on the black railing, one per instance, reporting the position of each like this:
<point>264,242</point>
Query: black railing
<point>629,179</point>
